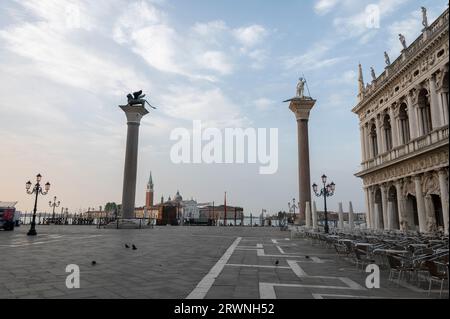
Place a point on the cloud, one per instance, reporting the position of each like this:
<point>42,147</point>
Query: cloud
<point>251,35</point>
<point>203,51</point>
<point>211,106</point>
<point>50,51</point>
<point>367,21</point>
<point>315,58</point>
<point>324,6</point>
<point>216,60</point>
<point>410,27</point>
<point>263,104</point>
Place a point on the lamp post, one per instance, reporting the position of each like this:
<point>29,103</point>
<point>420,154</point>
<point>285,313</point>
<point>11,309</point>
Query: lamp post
<point>326,191</point>
<point>54,205</point>
<point>37,189</point>
<point>292,209</point>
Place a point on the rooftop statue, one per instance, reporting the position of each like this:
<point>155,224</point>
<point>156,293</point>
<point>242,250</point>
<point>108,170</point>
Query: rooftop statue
<point>372,72</point>
<point>424,17</point>
<point>387,59</point>
<point>402,41</point>
<point>137,98</point>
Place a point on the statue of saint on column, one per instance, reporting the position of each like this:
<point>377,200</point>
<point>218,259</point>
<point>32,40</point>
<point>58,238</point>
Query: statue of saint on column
<point>301,88</point>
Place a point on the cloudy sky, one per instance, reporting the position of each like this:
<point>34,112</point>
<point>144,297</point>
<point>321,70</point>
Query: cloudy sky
<point>65,66</point>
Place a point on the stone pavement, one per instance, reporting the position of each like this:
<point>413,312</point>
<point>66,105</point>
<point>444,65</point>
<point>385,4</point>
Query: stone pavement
<point>179,262</point>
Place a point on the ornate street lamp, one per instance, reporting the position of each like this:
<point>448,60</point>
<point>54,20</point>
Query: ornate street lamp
<point>37,189</point>
<point>326,191</point>
<point>54,205</point>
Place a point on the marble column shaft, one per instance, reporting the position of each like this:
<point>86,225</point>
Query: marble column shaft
<point>420,204</point>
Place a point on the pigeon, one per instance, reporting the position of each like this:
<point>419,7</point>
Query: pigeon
<point>126,246</point>
<point>94,263</point>
<point>277,262</point>
<point>134,247</point>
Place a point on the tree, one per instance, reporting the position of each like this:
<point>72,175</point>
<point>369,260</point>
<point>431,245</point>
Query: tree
<point>111,208</point>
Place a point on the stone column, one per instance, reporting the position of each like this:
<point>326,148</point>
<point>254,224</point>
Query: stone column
<point>301,107</point>
<point>308,214</point>
<point>443,186</point>
<point>351,217</point>
<point>370,209</point>
<point>341,217</point>
<point>434,103</point>
<point>412,117</point>
<point>363,144</point>
<point>394,127</point>
<point>400,203</point>
<point>420,204</point>
<point>377,215</point>
<point>390,209</point>
<point>368,212</point>
<point>314,216</point>
<point>366,142</point>
<point>443,103</point>
<point>134,115</point>
<point>384,205</point>
<point>380,136</point>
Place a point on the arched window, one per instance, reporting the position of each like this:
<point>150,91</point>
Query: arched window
<point>373,139</point>
<point>404,123</point>
<point>425,111</point>
<point>387,132</point>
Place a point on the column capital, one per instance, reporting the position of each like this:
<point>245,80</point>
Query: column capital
<point>301,107</point>
<point>443,171</point>
<point>134,113</point>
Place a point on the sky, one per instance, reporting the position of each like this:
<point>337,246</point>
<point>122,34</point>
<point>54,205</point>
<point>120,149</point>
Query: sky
<point>66,65</point>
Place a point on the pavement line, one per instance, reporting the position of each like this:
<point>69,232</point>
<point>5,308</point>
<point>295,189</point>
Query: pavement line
<point>206,283</point>
<point>267,290</point>
<point>48,241</point>
<point>260,253</point>
<point>257,266</point>
<point>320,296</point>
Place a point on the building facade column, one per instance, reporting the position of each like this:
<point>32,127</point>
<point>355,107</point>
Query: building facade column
<point>443,102</point>
<point>443,186</point>
<point>380,136</point>
<point>390,209</point>
<point>377,210</point>
<point>400,205</point>
<point>436,120</point>
<point>394,128</point>
<point>384,205</point>
<point>368,222</point>
<point>363,143</point>
<point>412,116</point>
<point>420,204</point>
<point>372,216</point>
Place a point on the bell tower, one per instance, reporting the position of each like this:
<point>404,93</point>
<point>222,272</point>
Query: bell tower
<point>149,193</point>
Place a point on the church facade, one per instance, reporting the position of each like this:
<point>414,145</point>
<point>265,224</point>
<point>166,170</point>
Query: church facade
<point>403,115</point>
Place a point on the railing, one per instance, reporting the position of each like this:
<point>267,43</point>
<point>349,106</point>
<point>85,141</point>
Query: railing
<point>406,149</point>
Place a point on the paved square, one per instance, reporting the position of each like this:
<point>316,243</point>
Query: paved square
<point>180,262</point>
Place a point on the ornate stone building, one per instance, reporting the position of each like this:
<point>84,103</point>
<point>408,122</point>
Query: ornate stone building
<point>403,116</point>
